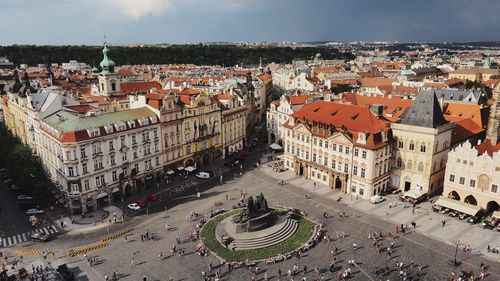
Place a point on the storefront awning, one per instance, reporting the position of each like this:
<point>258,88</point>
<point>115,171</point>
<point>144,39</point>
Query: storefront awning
<point>180,168</point>
<point>170,172</point>
<point>190,168</point>
<point>101,195</point>
<point>275,146</point>
<point>116,189</point>
<point>458,206</point>
<point>413,193</point>
<point>496,215</point>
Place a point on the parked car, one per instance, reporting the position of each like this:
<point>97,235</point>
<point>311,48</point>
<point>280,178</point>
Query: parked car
<point>40,237</point>
<point>134,207</point>
<point>204,175</point>
<point>141,202</point>
<point>152,197</point>
<point>34,211</point>
<point>375,199</point>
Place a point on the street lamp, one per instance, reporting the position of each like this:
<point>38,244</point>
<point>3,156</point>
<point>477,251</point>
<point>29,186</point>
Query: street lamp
<point>457,243</point>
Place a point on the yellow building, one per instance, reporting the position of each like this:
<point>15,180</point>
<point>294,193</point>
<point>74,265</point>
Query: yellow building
<point>474,74</point>
<point>233,118</point>
<point>201,129</point>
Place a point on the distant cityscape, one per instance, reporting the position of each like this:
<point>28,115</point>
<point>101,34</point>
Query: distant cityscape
<point>406,133</point>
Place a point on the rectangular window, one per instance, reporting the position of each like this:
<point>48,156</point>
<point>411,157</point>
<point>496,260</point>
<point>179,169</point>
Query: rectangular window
<point>86,185</point>
<point>361,191</point>
<point>363,172</point>
<point>462,180</point>
<point>314,141</point>
<point>326,144</point>
<point>334,147</point>
<point>333,164</point>
<point>494,188</point>
<point>313,173</point>
<point>355,170</point>
<point>320,143</point>
<point>112,160</point>
<point>472,183</point>
<point>353,189</point>
<point>111,145</point>
<point>114,176</point>
<point>346,168</point>
<point>341,148</point>
<point>84,168</point>
<point>314,157</point>
<point>339,167</point>
<point>82,152</point>
<point>347,150</point>
<point>356,152</point>
<point>307,155</point>
<point>97,181</point>
<point>363,154</point>
<point>157,160</point>
<point>71,172</point>
<point>452,178</point>
<point>325,162</point>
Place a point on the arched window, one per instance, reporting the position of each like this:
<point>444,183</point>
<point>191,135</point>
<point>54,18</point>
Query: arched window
<point>422,147</point>
<point>408,166</point>
<point>399,163</point>
<point>400,144</point>
<point>113,86</point>
<point>420,167</point>
<point>412,145</point>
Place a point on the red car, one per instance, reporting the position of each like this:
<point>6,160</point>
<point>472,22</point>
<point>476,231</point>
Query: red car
<point>152,197</point>
<point>141,203</point>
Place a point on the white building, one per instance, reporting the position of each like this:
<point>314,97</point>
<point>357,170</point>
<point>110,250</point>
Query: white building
<point>98,158</point>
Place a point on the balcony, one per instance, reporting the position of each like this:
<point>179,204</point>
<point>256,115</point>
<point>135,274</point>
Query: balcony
<point>97,154</point>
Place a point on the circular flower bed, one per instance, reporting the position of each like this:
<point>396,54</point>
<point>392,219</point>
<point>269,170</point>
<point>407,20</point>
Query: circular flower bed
<point>303,234</point>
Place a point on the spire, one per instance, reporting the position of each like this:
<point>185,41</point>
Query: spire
<point>261,68</point>
<point>425,111</point>
<point>106,64</point>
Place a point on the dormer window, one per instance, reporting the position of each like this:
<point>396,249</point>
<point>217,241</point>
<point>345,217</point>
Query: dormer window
<point>93,132</point>
<point>143,121</point>
<point>131,124</point>
<point>109,129</point>
<point>121,126</point>
<point>361,138</point>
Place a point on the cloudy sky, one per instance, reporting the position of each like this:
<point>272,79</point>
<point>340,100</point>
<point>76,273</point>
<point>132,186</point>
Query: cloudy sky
<point>193,21</point>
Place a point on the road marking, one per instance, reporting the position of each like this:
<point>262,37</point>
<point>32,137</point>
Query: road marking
<point>25,238</point>
<point>84,250</point>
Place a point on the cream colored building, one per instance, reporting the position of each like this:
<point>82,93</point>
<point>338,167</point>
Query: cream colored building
<point>342,146</point>
<point>474,74</point>
<point>422,142</point>
<point>473,176</point>
<point>233,118</point>
<point>201,130</point>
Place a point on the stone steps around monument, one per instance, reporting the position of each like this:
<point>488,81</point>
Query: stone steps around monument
<point>274,238</point>
<point>286,224</point>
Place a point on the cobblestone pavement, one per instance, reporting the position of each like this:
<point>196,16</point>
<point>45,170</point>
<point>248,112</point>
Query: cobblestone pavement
<point>412,246</point>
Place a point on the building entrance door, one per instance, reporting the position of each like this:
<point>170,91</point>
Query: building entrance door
<point>407,185</point>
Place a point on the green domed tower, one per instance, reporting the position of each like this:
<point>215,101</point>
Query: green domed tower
<point>109,82</point>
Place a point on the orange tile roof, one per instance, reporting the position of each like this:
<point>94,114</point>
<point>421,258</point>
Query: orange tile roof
<point>298,100</point>
<point>400,90</point>
<point>353,117</point>
<point>477,113</point>
<point>264,76</point>
<point>190,91</point>
<point>325,69</point>
<point>376,81</point>
<point>394,107</point>
<point>464,129</point>
<point>128,87</point>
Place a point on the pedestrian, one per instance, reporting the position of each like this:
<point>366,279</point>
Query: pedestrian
<point>125,240</point>
<point>132,262</point>
<point>489,249</point>
<point>443,222</point>
<point>106,277</point>
<point>160,256</point>
<point>227,197</point>
<point>305,269</point>
<point>354,246</point>
<point>144,278</point>
<point>397,228</point>
<point>178,239</point>
<point>414,224</point>
<point>279,272</point>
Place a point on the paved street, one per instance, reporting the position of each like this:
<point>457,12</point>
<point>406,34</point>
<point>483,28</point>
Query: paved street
<point>361,218</point>
<point>432,254</point>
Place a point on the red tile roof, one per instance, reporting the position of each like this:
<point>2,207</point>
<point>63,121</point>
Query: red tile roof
<point>371,82</point>
<point>298,100</point>
<point>352,117</point>
<point>128,87</point>
<point>190,91</point>
<point>488,147</point>
<point>464,129</point>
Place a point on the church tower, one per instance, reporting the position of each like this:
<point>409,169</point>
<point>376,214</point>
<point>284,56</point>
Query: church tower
<point>108,80</point>
<point>493,131</point>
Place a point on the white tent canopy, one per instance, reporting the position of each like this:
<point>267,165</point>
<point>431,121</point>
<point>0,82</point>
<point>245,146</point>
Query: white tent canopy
<point>170,172</point>
<point>180,168</point>
<point>413,193</point>
<point>116,189</point>
<point>275,146</point>
<point>458,206</point>
<point>190,168</point>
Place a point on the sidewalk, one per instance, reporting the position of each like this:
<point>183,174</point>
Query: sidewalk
<point>427,221</point>
<point>95,220</point>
